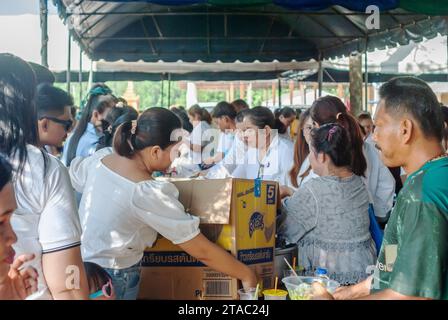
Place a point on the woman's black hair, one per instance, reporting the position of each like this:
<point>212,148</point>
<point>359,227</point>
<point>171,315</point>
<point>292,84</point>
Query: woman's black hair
<point>100,98</point>
<point>331,109</point>
<point>240,115</point>
<point>18,116</point>
<point>287,112</point>
<point>97,277</point>
<point>115,117</point>
<point>5,172</point>
<point>333,140</point>
<point>222,109</point>
<point>154,127</point>
<point>262,116</point>
<point>182,114</point>
<point>240,105</point>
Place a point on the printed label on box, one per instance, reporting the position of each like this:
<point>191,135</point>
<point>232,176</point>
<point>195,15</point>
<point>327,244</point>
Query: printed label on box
<point>270,194</point>
<point>255,256</point>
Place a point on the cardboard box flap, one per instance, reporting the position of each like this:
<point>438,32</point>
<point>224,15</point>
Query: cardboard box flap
<point>210,200</point>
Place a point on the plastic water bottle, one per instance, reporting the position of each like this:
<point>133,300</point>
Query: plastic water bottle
<point>321,273</point>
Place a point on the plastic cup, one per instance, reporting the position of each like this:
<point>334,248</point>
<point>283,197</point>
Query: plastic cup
<point>248,294</point>
<point>273,294</point>
<point>300,288</point>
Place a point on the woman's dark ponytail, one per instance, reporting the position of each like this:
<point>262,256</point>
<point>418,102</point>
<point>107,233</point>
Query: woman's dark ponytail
<point>330,109</point>
<point>349,123</point>
<point>154,127</point>
<point>122,142</point>
<point>279,126</point>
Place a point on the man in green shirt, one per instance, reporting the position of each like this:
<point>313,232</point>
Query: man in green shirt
<point>413,261</point>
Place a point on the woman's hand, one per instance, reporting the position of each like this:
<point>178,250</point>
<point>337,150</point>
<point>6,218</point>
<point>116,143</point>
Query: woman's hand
<point>250,281</point>
<point>19,284</point>
<point>285,192</point>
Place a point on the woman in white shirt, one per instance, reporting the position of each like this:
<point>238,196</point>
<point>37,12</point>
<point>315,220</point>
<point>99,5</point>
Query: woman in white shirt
<point>123,209</point>
<point>269,157</point>
<point>46,220</point>
<point>201,121</point>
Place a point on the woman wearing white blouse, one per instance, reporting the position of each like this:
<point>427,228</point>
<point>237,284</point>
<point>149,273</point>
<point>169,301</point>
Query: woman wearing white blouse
<point>123,209</point>
<point>269,156</point>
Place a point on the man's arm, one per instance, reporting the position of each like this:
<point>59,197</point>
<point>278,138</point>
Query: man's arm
<point>389,294</point>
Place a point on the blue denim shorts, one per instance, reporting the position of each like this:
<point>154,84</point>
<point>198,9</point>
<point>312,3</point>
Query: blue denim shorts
<point>126,281</point>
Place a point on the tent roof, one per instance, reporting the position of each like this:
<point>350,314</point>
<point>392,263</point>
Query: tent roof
<point>264,30</point>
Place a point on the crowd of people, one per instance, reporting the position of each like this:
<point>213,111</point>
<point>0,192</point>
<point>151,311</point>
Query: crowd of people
<point>86,191</point>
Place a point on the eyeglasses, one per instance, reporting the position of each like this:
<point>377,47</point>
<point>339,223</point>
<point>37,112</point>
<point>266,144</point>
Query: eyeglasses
<point>67,124</point>
<point>107,290</point>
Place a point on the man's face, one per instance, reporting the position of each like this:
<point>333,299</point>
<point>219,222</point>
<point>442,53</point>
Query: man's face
<point>53,129</point>
<point>367,124</point>
<point>388,137</point>
<point>7,235</point>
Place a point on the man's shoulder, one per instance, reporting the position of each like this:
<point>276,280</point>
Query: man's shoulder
<point>435,184</point>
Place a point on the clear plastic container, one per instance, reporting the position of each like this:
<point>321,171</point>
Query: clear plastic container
<point>299,288</point>
<point>273,294</point>
<point>248,294</point>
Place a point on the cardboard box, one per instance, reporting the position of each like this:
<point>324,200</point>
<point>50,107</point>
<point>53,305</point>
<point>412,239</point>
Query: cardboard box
<point>238,215</point>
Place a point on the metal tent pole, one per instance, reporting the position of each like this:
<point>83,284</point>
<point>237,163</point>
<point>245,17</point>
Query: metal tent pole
<point>80,75</point>
<point>279,92</point>
<point>44,32</point>
<point>69,53</point>
<point>320,76</point>
<point>366,81</point>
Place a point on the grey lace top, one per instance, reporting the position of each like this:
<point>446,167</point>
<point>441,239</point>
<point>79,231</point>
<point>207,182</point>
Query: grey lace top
<point>328,219</point>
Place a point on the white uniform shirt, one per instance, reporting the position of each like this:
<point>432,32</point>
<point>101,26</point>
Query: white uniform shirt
<point>275,166</point>
<point>46,219</point>
<point>119,218</point>
<point>199,137</point>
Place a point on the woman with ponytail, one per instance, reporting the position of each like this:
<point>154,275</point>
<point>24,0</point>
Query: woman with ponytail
<point>89,129</point>
<point>366,161</point>
<point>139,207</point>
<point>328,216</point>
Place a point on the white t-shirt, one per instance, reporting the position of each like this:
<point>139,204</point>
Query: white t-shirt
<point>199,136</point>
<point>46,219</point>
<point>275,166</point>
<point>379,181</point>
<point>119,218</point>
<point>226,141</point>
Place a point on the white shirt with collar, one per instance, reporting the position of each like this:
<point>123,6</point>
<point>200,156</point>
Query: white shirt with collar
<point>275,166</point>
